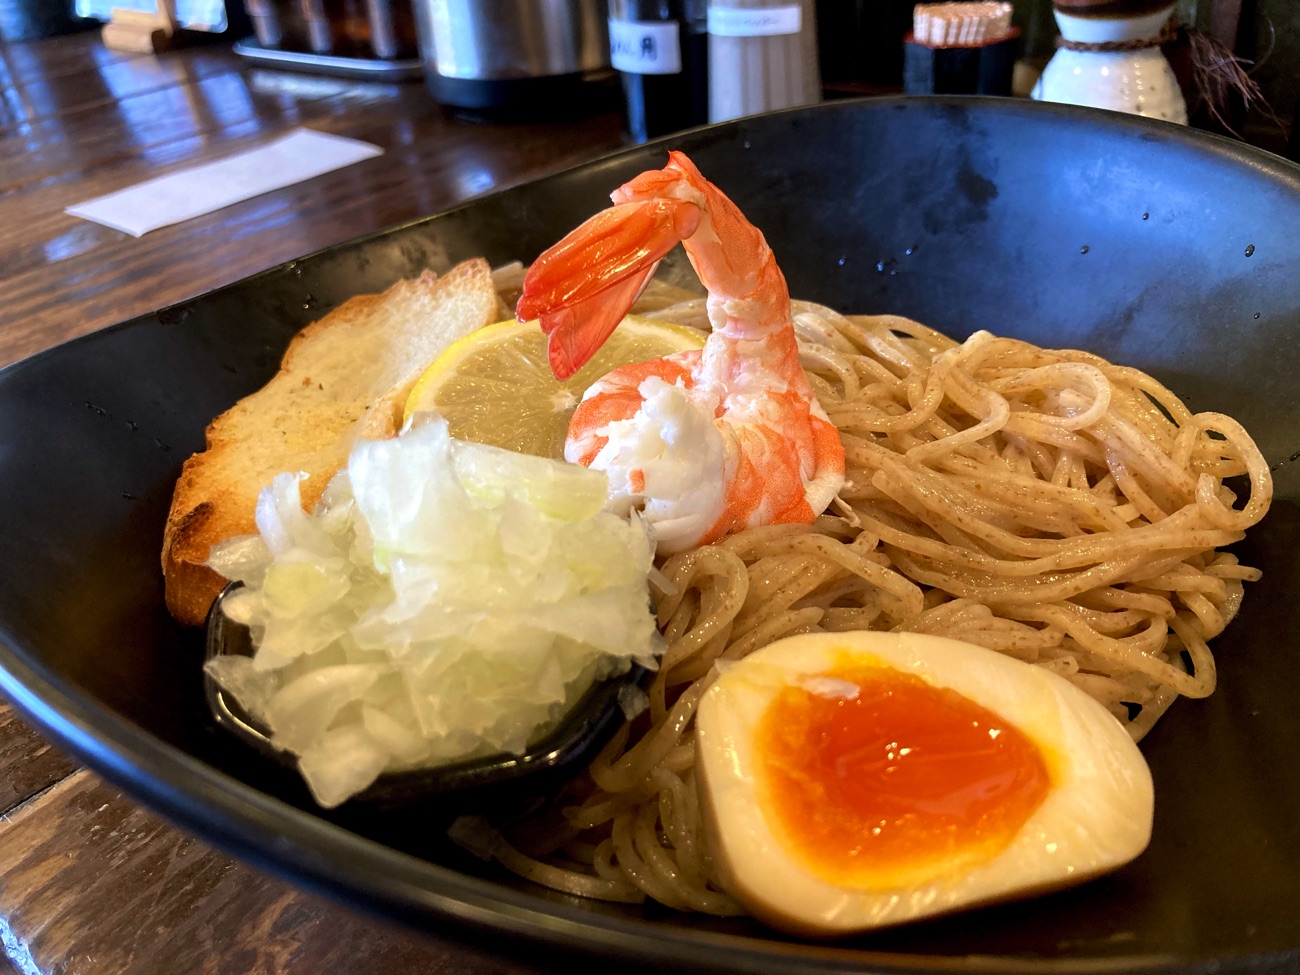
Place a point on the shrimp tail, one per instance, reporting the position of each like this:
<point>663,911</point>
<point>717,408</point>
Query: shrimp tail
<point>707,442</point>
<point>582,287</point>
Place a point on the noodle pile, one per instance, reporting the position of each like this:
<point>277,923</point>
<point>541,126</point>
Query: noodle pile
<point>1042,503</point>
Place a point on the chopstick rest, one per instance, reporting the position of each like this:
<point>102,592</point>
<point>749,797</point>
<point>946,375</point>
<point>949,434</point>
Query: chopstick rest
<point>176,197</point>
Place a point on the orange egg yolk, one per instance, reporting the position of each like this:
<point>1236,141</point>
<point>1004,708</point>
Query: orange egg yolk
<point>897,783</point>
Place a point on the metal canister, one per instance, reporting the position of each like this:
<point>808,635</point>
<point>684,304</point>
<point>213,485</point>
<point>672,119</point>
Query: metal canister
<point>529,55</point>
<point>382,29</point>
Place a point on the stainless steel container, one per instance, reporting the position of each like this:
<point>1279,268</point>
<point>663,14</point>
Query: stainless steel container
<point>534,55</point>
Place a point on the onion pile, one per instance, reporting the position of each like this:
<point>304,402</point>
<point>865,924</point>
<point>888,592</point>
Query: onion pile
<point>445,601</point>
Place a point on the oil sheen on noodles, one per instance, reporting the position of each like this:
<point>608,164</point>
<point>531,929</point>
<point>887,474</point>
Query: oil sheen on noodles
<point>1043,503</point>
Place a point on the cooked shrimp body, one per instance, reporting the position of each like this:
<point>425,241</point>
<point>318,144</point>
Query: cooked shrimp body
<point>707,442</point>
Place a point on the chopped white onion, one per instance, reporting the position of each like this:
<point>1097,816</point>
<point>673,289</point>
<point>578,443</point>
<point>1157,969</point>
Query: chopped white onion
<point>445,600</point>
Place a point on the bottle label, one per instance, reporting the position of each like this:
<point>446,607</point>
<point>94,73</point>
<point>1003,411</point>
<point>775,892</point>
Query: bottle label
<point>645,46</point>
<point>755,21</point>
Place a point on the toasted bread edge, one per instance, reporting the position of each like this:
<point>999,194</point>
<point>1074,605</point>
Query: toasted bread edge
<point>194,524</point>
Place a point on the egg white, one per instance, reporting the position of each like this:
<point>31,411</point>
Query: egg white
<point>1096,816</point>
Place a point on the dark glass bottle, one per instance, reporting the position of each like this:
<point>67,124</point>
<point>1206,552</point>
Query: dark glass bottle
<point>861,41</point>
<point>661,48</point>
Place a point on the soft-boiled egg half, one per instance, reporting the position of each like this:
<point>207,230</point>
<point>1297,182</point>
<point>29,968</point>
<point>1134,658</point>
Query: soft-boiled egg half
<point>856,780</point>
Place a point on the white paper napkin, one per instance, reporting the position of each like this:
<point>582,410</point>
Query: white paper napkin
<point>192,192</point>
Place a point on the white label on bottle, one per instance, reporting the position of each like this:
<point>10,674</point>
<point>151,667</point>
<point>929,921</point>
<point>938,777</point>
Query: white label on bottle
<point>645,46</point>
<point>755,21</point>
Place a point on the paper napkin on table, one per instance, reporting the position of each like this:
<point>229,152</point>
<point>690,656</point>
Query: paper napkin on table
<point>201,189</point>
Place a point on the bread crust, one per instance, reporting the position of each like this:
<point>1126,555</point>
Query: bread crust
<point>342,378</point>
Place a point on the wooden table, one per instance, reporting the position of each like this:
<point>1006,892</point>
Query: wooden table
<point>90,883</point>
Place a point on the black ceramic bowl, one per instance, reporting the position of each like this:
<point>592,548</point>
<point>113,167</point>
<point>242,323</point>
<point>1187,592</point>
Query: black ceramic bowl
<point>487,784</point>
<point>1146,243</point>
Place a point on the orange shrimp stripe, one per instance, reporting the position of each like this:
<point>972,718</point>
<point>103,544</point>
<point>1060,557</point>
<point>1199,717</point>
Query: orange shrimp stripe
<point>617,396</point>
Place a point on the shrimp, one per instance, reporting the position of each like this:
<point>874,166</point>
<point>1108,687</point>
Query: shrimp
<point>707,442</point>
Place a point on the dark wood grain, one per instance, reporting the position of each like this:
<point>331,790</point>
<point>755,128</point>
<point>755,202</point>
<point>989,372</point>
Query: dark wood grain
<point>63,277</point>
<point>74,94</point>
<point>28,765</point>
<point>89,883</point>
<point>92,884</point>
<point>54,145</point>
<point>43,61</point>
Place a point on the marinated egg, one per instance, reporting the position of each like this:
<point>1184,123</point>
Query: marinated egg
<point>856,780</point>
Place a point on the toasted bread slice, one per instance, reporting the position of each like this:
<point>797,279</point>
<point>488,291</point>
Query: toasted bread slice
<point>344,377</point>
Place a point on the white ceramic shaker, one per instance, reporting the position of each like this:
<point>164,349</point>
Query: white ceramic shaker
<point>1110,58</point>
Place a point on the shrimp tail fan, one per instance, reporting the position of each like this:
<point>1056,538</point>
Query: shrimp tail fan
<point>582,287</point>
<point>575,332</point>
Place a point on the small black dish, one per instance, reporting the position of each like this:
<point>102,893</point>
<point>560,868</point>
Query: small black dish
<point>480,782</point>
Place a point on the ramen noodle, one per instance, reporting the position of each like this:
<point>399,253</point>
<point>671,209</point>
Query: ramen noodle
<point>1042,503</point>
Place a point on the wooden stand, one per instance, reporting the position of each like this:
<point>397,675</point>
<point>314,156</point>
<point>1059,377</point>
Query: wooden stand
<point>142,31</point>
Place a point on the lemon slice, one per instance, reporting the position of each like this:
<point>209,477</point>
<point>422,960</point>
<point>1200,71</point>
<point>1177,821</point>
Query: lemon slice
<point>495,386</point>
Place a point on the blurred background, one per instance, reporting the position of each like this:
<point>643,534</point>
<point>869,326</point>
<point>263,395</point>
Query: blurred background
<point>670,64</point>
